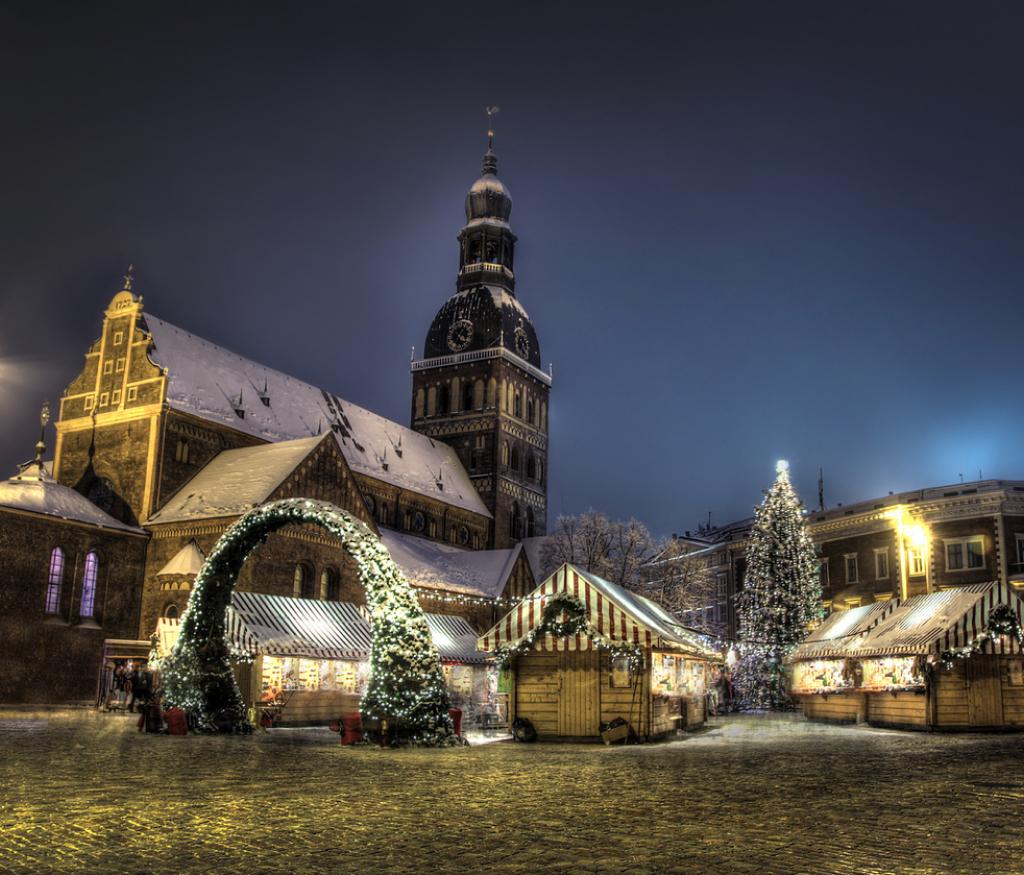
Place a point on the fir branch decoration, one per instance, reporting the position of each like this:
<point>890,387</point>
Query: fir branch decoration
<point>564,616</point>
<point>406,683</point>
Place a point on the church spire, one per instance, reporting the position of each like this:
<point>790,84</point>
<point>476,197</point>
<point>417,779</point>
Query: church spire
<point>490,159</point>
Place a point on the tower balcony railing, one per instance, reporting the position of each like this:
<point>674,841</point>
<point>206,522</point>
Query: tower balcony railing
<point>486,267</point>
<point>479,355</point>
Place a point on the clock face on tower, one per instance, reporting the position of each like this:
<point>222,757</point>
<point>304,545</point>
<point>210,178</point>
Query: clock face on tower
<point>522,343</point>
<point>459,335</point>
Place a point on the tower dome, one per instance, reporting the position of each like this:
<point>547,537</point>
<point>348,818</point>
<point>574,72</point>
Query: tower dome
<point>487,197</point>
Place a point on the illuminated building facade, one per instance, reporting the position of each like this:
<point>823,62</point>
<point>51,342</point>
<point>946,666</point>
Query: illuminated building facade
<point>900,545</point>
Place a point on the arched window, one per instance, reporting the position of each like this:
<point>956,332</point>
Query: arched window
<point>540,471</point>
<point>90,574</point>
<point>515,522</point>
<point>492,392</point>
<point>330,585</point>
<point>456,393</point>
<point>432,401</point>
<point>420,401</point>
<point>514,460</point>
<point>302,582</point>
<point>531,467</point>
<point>531,527</point>
<point>517,405</point>
<point>385,514</point>
<point>529,410</point>
<point>444,401</point>
<point>467,395</point>
<point>54,581</point>
<point>181,451</point>
<point>505,453</point>
<point>478,395</point>
<point>171,611</point>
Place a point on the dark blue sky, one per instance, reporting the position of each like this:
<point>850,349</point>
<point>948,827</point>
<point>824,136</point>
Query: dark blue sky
<point>746,230</point>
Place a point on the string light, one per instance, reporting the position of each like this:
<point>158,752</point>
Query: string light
<point>780,595</point>
<point>1001,622</point>
<point>406,685</point>
<point>565,616</point>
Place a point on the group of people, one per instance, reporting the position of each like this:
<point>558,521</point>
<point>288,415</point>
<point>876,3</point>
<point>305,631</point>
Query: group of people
<point>131,686</point>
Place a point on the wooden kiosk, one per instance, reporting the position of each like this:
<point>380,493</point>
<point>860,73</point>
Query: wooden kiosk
<point>946,660</point>
<point>583,652</point>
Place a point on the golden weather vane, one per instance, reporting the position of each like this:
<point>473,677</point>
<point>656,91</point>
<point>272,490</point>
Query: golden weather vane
<point>129,278</point>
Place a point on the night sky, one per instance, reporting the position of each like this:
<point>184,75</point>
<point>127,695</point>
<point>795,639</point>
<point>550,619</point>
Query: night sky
<point>746,231</point>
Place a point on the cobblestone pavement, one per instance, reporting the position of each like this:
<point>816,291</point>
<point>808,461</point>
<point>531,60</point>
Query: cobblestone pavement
<point>84,793</point>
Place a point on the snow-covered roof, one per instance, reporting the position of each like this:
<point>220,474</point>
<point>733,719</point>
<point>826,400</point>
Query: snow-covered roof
<point>433,565</point>
<point>236,481</point>
<point>215,384</point>
<point>285,626</point>
<point>188,561</point>
<point>613,611</point>
<point>35,491</point>
<point>834,636</point>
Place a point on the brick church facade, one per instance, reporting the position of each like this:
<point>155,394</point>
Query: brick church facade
<point>164,439</point>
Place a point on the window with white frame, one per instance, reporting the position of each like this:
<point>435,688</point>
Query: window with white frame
<point>965,553</point>
<point>882,563</point>
<point>108,366</point>
<point>133,393</point>
<point>850,561</point>
<point>915,561</point>
<point>54,581</point>
<point>90,573</point>
<point>722,579</point>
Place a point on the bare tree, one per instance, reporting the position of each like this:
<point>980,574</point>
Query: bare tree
<point>617,551</point>
<point>681,581</point>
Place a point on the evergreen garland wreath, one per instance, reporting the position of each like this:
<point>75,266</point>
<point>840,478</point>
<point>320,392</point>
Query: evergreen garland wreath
<point>406,683</point>
<point>574,623</point>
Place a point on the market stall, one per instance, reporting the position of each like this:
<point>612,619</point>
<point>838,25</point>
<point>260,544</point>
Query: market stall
<point>306,661</point>
<point>950,659</point>
<point>584,652</point>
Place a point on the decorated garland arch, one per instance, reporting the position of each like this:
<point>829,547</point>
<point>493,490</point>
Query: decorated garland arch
<point>406,685</point>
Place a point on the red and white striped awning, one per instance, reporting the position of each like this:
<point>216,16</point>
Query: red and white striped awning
<point>615,613</point>
<point>941,621</point>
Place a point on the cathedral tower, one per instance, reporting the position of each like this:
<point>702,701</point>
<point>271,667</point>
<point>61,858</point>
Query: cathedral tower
<point>479,386</point>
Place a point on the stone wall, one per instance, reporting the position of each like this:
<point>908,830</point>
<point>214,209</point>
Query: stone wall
<point>55,658</point>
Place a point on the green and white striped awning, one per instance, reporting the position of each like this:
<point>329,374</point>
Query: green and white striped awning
<point>276,625</point>
<point>282,626</point>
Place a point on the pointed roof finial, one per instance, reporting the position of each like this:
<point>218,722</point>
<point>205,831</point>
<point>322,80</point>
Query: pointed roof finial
<point>44,420</point>
<point>490,159</point>
<point>129,278</point>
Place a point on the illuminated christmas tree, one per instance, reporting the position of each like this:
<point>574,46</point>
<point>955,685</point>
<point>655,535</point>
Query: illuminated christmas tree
<point>780,596</point>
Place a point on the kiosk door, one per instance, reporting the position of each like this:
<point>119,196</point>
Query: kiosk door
<point>984,691</point>
<point>579,704</point>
